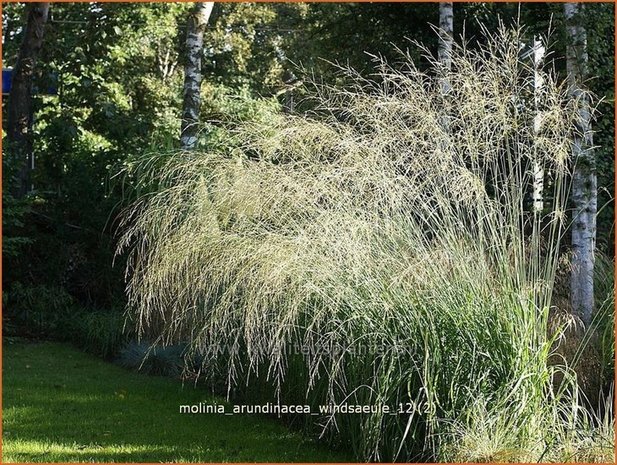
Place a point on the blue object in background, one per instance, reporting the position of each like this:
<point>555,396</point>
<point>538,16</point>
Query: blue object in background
<point>7,80</point>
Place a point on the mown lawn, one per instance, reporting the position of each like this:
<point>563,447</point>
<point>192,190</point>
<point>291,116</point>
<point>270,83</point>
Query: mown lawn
<point>61,405</point>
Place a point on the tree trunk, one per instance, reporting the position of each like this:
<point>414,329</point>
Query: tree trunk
<point>446,39</point>
<point>584,181</point>
<point>538,82</point>
<point>20,97</point>
<point>198,20</point>
<point>444,55</point>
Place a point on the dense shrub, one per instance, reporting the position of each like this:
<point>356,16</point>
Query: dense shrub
<point>50,312</point>
<point>38,310</point>
<point>102,333</point>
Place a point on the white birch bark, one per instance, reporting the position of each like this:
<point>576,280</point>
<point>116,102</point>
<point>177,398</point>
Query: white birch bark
<point>444,56</point>
<point>198,20</point>
<point>446,39</point>
<point>538,82</point>
<point>584,181</point>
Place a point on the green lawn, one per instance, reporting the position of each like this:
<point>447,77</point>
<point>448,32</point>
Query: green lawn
<point>61,405</point>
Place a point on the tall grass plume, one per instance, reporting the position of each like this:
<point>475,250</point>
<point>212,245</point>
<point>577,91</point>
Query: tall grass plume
<point>392,228</point>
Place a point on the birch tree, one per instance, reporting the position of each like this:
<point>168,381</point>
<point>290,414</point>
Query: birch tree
<point>444,56</point>
<point>198,20</point>
<point>584,180</point>
<point>20,97</point>
<point>538,81</point>
<point>446,38</point>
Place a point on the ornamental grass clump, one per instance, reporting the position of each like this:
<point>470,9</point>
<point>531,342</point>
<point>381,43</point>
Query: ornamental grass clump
<point>390,232</point>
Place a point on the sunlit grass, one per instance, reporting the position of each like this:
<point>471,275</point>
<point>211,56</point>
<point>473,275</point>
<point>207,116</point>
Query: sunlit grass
<point>60,405</point>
